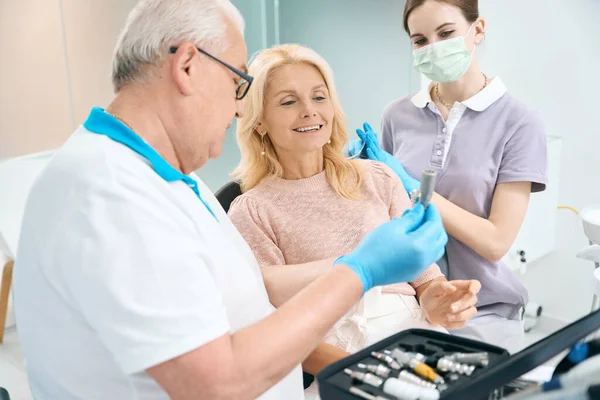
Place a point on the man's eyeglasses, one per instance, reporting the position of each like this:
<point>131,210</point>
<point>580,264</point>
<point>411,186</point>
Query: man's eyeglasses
<point>245,83</point>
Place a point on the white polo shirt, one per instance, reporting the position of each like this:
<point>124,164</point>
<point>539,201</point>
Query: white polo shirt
<point>125,263</point>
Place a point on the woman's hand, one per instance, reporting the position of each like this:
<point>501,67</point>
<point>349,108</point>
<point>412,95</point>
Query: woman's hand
<point>376,153</point>
<point>450,303</point>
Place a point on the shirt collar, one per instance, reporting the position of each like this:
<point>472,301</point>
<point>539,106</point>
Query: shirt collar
<point>480,102</point>
<point>103,123</point>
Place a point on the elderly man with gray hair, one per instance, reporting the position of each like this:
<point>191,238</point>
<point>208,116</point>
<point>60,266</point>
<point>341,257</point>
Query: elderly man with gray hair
<point>131,282</point>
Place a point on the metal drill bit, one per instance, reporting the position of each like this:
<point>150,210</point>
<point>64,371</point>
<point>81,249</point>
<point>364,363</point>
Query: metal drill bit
<point>363,377</point>
<point>414,196</point>
<point>379,370</point>
<point>389,360</point>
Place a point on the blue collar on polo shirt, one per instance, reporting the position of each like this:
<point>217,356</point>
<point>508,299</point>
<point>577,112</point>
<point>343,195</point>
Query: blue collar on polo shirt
<point>103,123</point>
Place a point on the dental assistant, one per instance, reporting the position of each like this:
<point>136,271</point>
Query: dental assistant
<point>130,280</point>
<point>488,149</point>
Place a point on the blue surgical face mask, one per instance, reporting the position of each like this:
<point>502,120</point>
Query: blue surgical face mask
<point>445,61</point>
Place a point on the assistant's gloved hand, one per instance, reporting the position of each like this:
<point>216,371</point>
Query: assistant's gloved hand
<point>376,153</point>
<point>399,250</point>
<point>355,149</point>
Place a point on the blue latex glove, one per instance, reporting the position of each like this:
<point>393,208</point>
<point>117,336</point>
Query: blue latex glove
<point>355,149</point>
<point>399,250</point>
<point>376,153</point>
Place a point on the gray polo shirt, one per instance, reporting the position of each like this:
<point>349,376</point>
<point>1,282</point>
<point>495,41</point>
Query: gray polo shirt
<point>488,139</point>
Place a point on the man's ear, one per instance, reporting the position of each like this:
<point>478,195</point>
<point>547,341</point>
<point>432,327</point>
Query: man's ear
<point>183,60</point>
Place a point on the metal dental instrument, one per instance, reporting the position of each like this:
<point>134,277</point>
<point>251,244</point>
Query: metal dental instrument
<point>412,378</point>
<point>427,186</point>
<point>409,391</point>
<point>418,367</point>
<point>367,396</point>
<point>379,370</point>
<point>399,389</point>
<point>453,377</point>
<point>359,154</point>
<point>479,359</point>
<point>445,364</point>
<point>423,195</point>
<point>365,377</point>
<point>389,360</point>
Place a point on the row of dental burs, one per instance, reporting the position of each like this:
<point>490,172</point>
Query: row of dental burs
<point>415,378</point>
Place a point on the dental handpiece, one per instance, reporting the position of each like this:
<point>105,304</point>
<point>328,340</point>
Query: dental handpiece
<point>419,367</point>
<point>427,186</point>
<point>445,364</point>
<point>379,369</point>
<point>389,360</point>
<point>365,377</point>
<point>404,390</point>
<point>409,376</point>
<point>478,359</point>
<point>412,378</point>
<point>401,390</point>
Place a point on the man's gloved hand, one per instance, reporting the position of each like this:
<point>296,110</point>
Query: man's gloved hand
<point>450,304</point>
<point>399,250</point>
<point>376,153</point>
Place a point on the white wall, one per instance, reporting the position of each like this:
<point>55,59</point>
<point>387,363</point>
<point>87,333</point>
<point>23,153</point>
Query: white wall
<point>365,44</point>
<point>55,65</point>
<point>548,54</point>
<point>34,95</point>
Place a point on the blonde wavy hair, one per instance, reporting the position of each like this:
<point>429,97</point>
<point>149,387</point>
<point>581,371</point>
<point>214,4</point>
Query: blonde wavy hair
<point>344,175</point>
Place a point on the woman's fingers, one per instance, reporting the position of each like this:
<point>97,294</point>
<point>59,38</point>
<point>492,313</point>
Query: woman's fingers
<point>458,320</point>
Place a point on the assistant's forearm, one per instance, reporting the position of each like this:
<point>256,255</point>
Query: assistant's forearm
<point>267,351</point>
<point>479,234</point>
<point>285,281</point>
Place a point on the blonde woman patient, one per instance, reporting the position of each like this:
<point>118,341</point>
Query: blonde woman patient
<point>304,204</point>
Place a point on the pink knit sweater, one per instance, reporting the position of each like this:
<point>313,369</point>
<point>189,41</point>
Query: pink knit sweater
<point>298,221</point>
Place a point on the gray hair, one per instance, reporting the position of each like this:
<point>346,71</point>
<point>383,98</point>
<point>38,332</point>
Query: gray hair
<point>155,25</point>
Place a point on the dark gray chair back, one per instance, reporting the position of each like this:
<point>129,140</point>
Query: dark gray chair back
<point>227,194</point>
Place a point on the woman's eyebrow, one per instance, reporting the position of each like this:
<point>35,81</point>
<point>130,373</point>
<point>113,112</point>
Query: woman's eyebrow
<point>437,29</point>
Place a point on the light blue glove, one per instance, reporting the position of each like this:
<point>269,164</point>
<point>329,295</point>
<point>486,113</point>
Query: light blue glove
<point>399,250</point>
<point>376,153</point>
<point>355,149</point>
